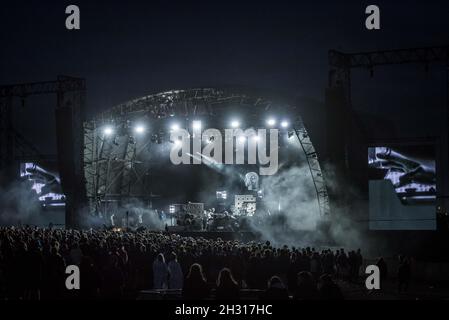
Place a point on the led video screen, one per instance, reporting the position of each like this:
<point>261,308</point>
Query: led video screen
<point>402,187</point>
<point>44,180</point>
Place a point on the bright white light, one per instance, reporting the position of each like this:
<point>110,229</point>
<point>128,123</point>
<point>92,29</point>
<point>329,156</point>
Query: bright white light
<point>139,129</point>
<point>235,124</point>
<point>178,142</point>
<point>175,127</point>
<point>284,124</point>
<point>271,122</point>
<point>196,124</point>
<point>242,139</point>
<point>108,131</point>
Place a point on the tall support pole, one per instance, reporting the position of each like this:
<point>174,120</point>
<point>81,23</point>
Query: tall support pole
<point>70,135</point>
<point>338,110</point>
<point>443,167</point>
<point>6,137</point>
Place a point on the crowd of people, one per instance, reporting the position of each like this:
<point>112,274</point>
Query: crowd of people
<point>120,264</point>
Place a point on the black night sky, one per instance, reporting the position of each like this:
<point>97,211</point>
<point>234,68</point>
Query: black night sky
<point>127,49</point>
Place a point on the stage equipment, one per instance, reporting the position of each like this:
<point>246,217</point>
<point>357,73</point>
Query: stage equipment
<point>245,205</point>
<point>223,195</point>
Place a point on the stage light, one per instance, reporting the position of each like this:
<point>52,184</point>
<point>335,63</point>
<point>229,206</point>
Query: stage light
<point>285,124</point>
<point>271,122</point>
<point>174,127</point>
<point>196,124</point>
<point>235,124</point>
<point>139,129</point>
<point>108,130</point>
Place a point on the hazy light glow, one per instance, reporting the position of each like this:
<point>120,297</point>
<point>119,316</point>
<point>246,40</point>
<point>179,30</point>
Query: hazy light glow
<point>271,122</point>
<point>108,130</point>
<point>285,124</point>
<point>196,124</point>
<point>235,124</point>
<point>139,129</point>
<point>174,127</point>
<point>242,139</point>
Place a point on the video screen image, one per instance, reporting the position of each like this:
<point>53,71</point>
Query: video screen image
<point>44,180</point>
<point>402,187</point>
<point>411,170</point>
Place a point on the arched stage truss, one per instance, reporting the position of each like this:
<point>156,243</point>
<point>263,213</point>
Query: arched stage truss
<point>112,166</point>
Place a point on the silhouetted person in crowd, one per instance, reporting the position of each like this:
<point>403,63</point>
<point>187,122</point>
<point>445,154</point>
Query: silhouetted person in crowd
<point>75,255</point>
<point>175,275</point>
<point>383,270</point>
<point>276,290</point>
<point>404,273</point>
<point>359,259</point>
<point>160,272</point>
<point>55,274</point>
<point>112,286</point>
<point>306,289</point>
<point>227,287</point>
<point>328,289</point>
<point>195,284</point>
<point>315,265</point>
<point>91,279</point>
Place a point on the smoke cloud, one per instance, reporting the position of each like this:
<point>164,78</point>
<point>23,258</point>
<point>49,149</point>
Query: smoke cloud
<point>19,205</point>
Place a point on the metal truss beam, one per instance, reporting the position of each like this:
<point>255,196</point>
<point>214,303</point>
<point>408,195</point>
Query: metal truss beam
<point>388,57</point>
<point>63,84</point>
<point>128,167</point>
<point>315,169</point>
<point>183,103</point>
